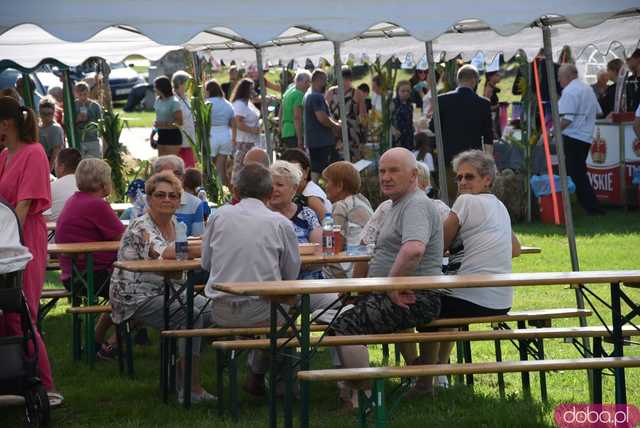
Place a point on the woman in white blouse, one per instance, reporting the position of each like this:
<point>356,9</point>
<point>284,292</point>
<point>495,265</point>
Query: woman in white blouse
<point>247,121</point>
<point>478,235</point>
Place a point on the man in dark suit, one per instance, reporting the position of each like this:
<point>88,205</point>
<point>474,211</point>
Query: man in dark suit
<point>466,121</point>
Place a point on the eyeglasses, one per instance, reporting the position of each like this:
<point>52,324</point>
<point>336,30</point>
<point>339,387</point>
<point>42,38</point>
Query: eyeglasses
<point>164,195</point>
<point>466,177</point>
<point>46,112</point>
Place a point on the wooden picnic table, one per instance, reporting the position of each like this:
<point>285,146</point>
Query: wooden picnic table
<point>163,266</point>
<point>51,225</point>
<point>305,288</point>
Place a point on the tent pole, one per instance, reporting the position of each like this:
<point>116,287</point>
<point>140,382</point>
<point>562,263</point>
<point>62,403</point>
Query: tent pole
<point>337,67</point>
<point>263,103</point>
<point>566,202</point>
<point>437,126</point>
<point>69,109</point>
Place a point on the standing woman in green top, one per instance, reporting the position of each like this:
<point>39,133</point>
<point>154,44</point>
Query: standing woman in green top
<point>291,129</point>
<point>168,119</point>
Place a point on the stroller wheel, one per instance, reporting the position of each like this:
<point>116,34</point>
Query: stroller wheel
<point>37,407</point>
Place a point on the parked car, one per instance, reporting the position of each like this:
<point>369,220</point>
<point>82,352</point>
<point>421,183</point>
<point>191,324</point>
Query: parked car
<point>122,79</point>
<point>9,76</point>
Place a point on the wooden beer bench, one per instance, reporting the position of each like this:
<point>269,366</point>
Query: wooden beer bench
<point>279,290</point>
<point>227,358</point>
<point>48,300</point>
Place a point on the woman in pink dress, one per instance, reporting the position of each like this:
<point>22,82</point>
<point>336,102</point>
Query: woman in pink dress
<point>24,183</point>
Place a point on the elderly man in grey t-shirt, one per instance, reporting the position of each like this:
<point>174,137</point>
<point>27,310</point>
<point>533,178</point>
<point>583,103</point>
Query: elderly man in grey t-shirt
<point>409,244</point>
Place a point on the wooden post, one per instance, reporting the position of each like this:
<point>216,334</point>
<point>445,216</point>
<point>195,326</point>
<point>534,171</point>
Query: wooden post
<point>437,126</point>
<point>337,69</point>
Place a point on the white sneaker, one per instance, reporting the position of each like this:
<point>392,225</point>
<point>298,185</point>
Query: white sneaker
<point>441,382</point>
<point>196,398</point>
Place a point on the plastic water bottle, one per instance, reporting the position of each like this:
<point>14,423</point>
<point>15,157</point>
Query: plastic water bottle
<point>328,243</point>
<point>353,239</point>
<point>138,204</point>
<point>182,247</point>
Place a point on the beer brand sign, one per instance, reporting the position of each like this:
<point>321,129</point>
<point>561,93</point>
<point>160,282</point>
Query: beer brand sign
<point>603,162</point>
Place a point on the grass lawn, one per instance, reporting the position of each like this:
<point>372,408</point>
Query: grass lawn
<point>101,397</point>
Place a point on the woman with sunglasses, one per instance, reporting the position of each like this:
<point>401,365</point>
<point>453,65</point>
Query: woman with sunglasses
<point>479,238</point>
<point>140,295</point>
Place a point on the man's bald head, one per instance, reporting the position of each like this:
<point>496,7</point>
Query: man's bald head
<point>256,155</point>
<point>398,173</point>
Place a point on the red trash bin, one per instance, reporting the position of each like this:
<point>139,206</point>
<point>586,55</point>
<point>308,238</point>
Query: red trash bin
<point>546,208</point>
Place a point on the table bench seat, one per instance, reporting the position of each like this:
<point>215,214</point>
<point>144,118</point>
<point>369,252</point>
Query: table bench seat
<point>439,336</point>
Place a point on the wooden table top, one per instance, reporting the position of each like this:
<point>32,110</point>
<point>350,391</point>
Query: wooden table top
<point>366,285</point>
<point>183,265</point>
<point>83,247</point>
<point>51,225</point>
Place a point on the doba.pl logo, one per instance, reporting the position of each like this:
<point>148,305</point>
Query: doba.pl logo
<point>597,416</point>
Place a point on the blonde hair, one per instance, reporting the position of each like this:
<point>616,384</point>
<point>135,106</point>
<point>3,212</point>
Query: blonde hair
<point>92,174</point>
<point>290,171</point>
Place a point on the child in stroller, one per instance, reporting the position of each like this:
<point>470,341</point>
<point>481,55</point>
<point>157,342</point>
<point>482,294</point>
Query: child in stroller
<point>19,374</point>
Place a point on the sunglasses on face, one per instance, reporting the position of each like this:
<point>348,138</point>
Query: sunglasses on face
<point>46,112</point>
<point>466,177</point>
<point>164,195</point>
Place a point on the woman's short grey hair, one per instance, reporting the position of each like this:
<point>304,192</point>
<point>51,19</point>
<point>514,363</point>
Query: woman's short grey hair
<point>424,175</point>
<point>176,163</point>
<point>288,170</point>
<point>253,181</point>
<point>481,161</point>
<point>92,175</point>
<point>303,76</point>
<point>179,77</point>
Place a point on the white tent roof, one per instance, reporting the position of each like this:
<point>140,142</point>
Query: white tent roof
<point>171,23</point>
<point>388,40</point>
<point>28,44</point>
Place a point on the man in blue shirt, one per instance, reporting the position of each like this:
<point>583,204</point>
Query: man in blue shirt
<point>318,125</point>
<point>191,212</point>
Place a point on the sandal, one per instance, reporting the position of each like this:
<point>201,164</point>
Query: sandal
<point>55,399</point>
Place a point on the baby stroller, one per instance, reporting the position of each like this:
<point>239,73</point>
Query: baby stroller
<point>19,374</point>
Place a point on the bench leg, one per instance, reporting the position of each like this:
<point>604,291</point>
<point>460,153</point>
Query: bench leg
<point>460,360</point>
<point>172,363</point>
<point>597,373</point>
<point>498,348</point>
<point>379,404</point>
<point>288,394</point>
<point>164,368</point>
<point>543,375</point>
<point>466,346</point>
<point>233,385</point>
<point>220,363</point>
<point>385,354</point>
<point>129,339</point>
<point>522,348</point>
<point>121,351</point>
<point>618,349</point>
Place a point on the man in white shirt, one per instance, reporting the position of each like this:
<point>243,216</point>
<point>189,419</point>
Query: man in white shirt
<point>578,108</point>
<point>65,186</point>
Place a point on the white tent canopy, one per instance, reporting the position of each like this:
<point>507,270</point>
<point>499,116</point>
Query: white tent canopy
<point>259,21</point>
<point>386,40</point>
<point>28,44</point>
